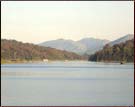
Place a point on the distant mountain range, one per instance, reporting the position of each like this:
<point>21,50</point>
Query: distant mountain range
<point>83,46</point>
<point>68,45</point>
<point>122,39</point>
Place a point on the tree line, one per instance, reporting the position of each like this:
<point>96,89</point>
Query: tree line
<point>12,50</point>
<point>117,52</point>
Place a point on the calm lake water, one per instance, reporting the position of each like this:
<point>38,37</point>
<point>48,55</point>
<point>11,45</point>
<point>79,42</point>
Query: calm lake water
<point>76,83</point>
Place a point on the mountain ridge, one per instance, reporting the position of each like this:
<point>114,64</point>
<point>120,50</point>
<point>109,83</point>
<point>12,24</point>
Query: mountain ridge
<point>80,47</point>
<point>122,39</point>
<point>84,46</point>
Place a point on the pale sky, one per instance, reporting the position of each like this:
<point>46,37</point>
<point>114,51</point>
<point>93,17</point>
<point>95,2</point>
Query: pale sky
<point>38,21</point>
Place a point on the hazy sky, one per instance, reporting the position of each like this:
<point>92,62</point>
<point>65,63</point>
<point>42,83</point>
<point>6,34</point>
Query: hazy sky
<point>38,21</point>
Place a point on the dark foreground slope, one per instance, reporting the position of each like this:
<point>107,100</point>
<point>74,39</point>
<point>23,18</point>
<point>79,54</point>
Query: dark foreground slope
<point>14,50</point>
<point>118,52</point>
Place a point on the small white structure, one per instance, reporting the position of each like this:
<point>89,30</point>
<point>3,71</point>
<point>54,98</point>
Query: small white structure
<point>45,60</point>
<point>66,60</point>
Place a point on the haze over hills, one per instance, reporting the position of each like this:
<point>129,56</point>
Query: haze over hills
<point>122,39</point>
<point>63,44</point>
<point>83,46</point>
<point>92,45</point>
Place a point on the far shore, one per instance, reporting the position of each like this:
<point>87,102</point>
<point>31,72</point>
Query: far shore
<point>38,61</point>
<point>33,61</point>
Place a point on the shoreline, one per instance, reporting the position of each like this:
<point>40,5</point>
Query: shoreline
<point>34,61</point>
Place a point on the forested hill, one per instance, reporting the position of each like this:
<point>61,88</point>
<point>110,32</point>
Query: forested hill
<point>118,52</point>
<point>12,50</point>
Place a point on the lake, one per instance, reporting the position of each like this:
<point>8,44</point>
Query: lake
<point>71,83</point>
